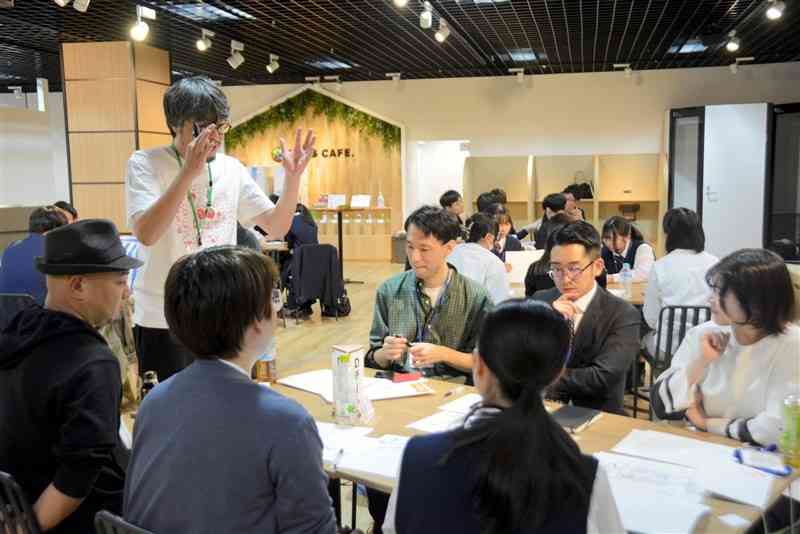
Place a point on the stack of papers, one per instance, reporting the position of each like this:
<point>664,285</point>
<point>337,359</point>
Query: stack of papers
<point>374,456</point>
<point>336,438</point>
<point>321,383</point>
<point>450,415</point>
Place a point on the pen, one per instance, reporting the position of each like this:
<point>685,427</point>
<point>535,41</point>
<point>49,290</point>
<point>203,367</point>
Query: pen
<point>459,389</point>
<point>338,458</point>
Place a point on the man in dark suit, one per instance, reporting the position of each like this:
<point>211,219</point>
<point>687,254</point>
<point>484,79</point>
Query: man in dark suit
<point>605,328</point>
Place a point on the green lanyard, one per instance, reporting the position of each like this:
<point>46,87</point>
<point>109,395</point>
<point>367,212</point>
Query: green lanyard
<point>208,212</point>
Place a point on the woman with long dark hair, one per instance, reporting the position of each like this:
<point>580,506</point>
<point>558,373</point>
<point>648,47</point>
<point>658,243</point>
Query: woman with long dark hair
<point>624,243</point>
<point>510,468</point>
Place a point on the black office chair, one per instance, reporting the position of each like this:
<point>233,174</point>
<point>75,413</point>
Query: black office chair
<point>11,304</point>
<point>107,523</point>
<point>672,320</point>
<point>16,515</point>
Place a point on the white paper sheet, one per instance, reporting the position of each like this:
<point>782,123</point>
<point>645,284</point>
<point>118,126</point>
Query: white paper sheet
<point>671,448</point>
<point>631,476</point>
<point>462,405</point>
<point>734,521</point>
<point>321,383</point>
<point>335,438</point>
<point>644,514</point>
<point>520,261</point>
<point>738,482</point>
<point>441,421</point>
<point>374,456</point>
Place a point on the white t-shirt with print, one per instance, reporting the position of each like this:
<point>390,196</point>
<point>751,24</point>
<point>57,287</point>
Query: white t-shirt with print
<point>236,197</point>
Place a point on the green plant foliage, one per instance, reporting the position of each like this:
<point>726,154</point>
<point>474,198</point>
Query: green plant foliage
<point>290,111</point>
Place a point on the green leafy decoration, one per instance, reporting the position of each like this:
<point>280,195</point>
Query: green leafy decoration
<point>290,111</point>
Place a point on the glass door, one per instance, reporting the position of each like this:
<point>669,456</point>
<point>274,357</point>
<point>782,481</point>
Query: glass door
<point>686,159</point>
<point>782,213</point>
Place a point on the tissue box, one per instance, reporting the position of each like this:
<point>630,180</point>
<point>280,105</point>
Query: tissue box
<point>350,402</point>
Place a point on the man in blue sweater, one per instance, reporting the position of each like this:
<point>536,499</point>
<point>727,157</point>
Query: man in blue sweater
<point>17,271</point>
<point>214,451</point>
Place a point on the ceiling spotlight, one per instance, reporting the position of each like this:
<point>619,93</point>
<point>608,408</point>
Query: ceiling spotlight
<point>394,76</point>
<point>739,60</point>
<point>775,9</point>
<point>62,3</point>
<point>313,79</point>
<point>204,43</point>
<point>443,32</point>
<point>236,58</point>
<point>628,72</point>
<point>520,74</point>
<point>140,30</point>
<point>17,91</point>
<point>338,85</point>
<point>426,17</point>
<point>401,3</point>
<point>733,42</point>
<point>273,64</point>
<point>81,5</point>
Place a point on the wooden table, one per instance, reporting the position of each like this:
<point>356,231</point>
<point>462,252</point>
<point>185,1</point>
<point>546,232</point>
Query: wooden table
<point>637,292</point>
<point>393,416</point>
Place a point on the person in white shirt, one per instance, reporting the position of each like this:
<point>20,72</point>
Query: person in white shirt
<point>510,467</point>
<point>731,375</point>
<point>475,259</point>
<point>623,243</point>
<point>679,278</point>
<point>185,197</point>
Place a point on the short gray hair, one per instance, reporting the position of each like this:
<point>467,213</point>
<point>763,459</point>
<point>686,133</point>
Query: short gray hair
<point>196,99</point>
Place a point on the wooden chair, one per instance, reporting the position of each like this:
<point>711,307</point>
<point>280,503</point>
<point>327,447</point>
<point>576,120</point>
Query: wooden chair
<point>16,514</point>
<point>107,523</point>
<point>673,323</point>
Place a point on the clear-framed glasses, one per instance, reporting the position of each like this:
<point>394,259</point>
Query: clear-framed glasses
<point>572,272</point>
<point>223,127</point>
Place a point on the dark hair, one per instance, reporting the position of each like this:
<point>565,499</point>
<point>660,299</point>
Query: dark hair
<point>449,198</point>
<point>213,296</point>
<point>435,221</point>
<point>684,230</point>
<point>304,214</point>
<point>66,206</point>
<point>480,224</point>
<point>618,225</point>
<point>196,99</point>
<point>528,466</point>
<point>577,233</point>
<point>485,200</point>
<point>274,198</point>
<point>574,190</point>
<point>500,195</point>
<point>45,219</point>
<point>555,201</point>
<point>761,283</point>
<point>503,217</point>
<point>554,224</point>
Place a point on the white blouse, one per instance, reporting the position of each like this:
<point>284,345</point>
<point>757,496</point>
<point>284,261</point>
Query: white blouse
<point>743,391</point>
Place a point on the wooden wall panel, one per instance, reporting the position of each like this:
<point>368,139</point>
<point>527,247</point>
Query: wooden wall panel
<point>88,61</point>
<point>151,64</point>
<point>100,157</point>
<point>629,177</point>
<point>150,107</point>
<point>152,140</point>
<point>370,169</point>
<point>554,173</point>
<point>100,105</point>
<point>104,201</point>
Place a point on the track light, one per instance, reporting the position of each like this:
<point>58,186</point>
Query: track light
<point>426,17</point>
<point>733,42</point>
<point>18,94</point>
<point>62,3</point>
<point>444,31</point>
<point>395,77</point>
<point>520,74</point>
<point>401,3</point>
<point>628,72</point>
<point>775,9</point>
<point>204,43</point>
<point>81,5</point>
<point>273,64</point>
<point>140,30</point>
<point>313,79</point>
<point>338,82</point>
<point>236,58</point>
<point>739,60</point>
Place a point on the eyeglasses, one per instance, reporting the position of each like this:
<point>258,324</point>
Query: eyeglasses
<point>572,272</point>
<point>222,127</point>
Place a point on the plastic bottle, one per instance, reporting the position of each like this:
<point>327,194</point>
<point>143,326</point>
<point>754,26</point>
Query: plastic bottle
<point>380,202</point>
<point>790,438</point>
<point>626,278</point>
<point>266,366</point>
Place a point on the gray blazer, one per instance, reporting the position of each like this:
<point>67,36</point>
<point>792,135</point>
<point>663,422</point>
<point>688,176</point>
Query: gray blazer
<point>603,349</point>
<point>215,452</point>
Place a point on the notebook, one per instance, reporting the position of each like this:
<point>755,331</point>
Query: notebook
<point>574,418</point>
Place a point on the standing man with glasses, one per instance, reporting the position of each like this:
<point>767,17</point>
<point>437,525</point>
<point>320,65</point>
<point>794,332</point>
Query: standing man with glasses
<point>605,328</point>
<point>185,197</point>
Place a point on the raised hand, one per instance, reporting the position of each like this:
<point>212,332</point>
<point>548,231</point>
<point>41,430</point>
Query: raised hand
<point>296,160</point>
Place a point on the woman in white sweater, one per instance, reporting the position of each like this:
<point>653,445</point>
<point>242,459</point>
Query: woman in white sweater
<point>679,278</point>
<point>730,375</point>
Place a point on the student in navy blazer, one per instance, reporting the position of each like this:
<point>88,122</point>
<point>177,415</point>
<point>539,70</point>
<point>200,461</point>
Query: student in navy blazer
<point>510,468</point>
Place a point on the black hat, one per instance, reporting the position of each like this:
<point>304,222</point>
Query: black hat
<point>83,247</point>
